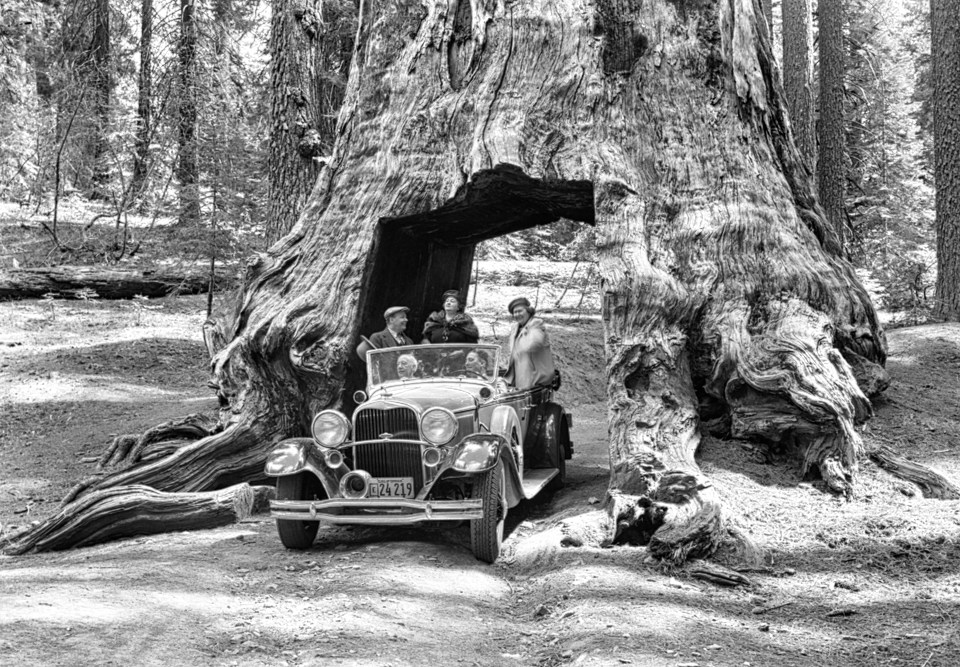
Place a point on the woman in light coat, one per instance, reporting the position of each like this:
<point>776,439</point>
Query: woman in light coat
<point>531,360</point>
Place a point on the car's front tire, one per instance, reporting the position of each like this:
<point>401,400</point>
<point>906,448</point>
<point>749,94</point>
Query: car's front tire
<point>294,533</point>
<point>486,533</point>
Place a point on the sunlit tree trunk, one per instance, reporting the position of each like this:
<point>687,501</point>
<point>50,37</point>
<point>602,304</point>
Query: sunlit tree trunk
<point>188,171</point>
<point>830,151</point>
<point>798,75</point>
<point>310,50</point>
<point>102,84</point>
<point>945,49</point>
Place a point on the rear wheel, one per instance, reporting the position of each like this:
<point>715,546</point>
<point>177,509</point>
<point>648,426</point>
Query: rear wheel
<point>486,533</point>
<point>294,533</point>
<point>559,458</point>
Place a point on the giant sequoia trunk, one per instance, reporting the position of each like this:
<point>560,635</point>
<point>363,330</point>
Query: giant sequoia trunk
<point>724,294</point>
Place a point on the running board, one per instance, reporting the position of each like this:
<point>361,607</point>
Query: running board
<point>534,480</point>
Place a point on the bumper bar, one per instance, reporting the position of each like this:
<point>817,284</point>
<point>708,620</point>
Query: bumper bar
<point>379,511</point>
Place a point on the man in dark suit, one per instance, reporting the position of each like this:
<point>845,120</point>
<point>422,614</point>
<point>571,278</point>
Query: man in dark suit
<point>392,336</point>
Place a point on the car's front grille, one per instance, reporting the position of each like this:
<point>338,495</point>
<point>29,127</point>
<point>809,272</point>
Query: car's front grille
<point>399,423</point>
<point>385,458</point>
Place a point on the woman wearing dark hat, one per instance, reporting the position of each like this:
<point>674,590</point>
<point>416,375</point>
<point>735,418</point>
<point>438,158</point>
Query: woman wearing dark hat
<point>531,360</point>
<point>450,325</point>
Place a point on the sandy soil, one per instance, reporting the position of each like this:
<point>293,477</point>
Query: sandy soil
<point>873,581</point>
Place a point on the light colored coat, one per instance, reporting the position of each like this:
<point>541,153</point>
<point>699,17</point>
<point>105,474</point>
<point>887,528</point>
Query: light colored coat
<point>531,360</point>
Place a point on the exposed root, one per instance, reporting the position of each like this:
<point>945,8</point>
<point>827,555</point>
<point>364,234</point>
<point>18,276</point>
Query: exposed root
<point>236,454</point>
<point>158,441</point>
<point>932,484</point>
<point>125,511</point>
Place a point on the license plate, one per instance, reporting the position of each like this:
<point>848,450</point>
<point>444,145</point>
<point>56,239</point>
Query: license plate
<point>392,487</point>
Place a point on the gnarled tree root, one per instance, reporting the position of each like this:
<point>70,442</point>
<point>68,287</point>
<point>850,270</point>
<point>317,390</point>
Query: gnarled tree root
<point>932,484</point>
<point>126,511</point>
<point>234,455</point>
<point>159,441</point>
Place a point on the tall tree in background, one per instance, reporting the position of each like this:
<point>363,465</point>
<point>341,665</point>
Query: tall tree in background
<point>310,47</point>
<point>141,151</point>
<point>830,163</point>
<point>945,49</point>
<point>188,171</point>
<point>102,81</point>
<point>798,75</point>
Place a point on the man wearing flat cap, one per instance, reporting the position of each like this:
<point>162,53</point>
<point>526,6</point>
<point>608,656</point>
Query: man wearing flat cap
<point>393,336</point>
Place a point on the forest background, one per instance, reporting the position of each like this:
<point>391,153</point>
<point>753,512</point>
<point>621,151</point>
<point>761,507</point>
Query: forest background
<point>186,133</point>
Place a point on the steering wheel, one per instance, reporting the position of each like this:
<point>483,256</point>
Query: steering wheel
<point>466,372</point>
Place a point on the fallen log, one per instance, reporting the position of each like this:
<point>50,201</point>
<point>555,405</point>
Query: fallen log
<point>72,282</point>
<point>127,511</point>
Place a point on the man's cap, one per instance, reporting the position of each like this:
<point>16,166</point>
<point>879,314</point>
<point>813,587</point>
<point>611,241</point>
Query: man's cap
<point>393,310</point>
<point>519,301</point>
<point>452,293</point>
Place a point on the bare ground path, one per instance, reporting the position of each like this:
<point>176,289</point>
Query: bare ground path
<point>875,581</point>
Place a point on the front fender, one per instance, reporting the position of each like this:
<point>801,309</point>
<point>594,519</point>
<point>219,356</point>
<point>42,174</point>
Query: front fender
<point>296,455</point>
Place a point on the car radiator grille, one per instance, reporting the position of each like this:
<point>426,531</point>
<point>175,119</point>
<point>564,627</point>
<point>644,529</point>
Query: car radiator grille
<point>389,459</point>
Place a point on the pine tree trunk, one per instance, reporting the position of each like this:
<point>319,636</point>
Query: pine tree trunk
<point>798,75</point>
<point>830,156</point>
<point>725,295</point>
<point>102,86</point>
<point>187,160</point>
<point>310,48</point>
<point>141,151</point>
<point>945,49</point>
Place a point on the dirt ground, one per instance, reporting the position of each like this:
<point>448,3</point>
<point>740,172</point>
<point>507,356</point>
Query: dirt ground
<point>872,581</point>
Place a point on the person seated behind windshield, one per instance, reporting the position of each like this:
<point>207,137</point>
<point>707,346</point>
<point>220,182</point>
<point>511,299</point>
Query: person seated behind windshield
<point>407,366</point>
<point>476,363</point>
<point>391,336</point>
<point>531,360</point>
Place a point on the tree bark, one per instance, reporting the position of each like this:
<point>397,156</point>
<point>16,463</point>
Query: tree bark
<point>830,156</point>
<point>134,510</point>
<point>188,168</point>
<point>70,281</point>
<point>798,75</point>
<point>141,151</point>
<point>102,87</point>
<point>310,48</point>
<point>945,48</point>
<point>725,294</point>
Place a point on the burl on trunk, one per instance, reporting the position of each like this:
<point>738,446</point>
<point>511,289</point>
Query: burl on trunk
<point>725,296</point>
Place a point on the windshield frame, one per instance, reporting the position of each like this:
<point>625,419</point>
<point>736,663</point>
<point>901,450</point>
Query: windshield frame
<point>440,361</point>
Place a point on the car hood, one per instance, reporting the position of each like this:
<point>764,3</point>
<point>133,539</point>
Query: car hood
<point>429,394</point>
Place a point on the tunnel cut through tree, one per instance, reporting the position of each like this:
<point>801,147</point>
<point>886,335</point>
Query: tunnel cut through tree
<point>725,296</point>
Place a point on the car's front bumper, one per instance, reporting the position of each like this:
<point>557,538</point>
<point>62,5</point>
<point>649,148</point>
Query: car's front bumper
<point>379,511</point>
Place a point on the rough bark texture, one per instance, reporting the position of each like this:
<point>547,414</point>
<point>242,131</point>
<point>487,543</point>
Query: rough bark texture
<point>68,282</point>
<point>830,155</point>
<point>798,75</point>
<point>141,151</point>
<point>188,167</point>
<point>133,510</point>
<point>945,48</point>
<point>310,48</point>
<point>724,293</point>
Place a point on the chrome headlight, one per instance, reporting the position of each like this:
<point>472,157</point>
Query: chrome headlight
<point>330,428</point>
<point>438,426</point>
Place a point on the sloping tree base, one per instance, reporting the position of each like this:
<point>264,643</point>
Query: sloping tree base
<point>126,511</point>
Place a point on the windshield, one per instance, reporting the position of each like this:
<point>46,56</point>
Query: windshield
<point>432,361</point>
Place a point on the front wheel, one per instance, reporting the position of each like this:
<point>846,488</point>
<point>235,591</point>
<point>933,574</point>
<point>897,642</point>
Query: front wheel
<point>294,533</point>
<point>486,533</point>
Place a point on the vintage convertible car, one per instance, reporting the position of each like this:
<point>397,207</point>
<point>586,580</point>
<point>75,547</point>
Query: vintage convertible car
<point>436,437</point>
